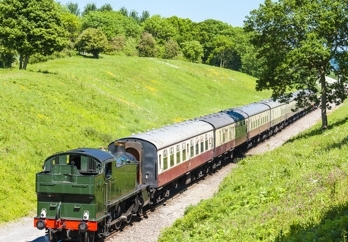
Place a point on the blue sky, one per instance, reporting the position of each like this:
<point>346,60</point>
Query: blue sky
<point>232,12</point>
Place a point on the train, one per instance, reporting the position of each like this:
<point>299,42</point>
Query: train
<point>86,193</point>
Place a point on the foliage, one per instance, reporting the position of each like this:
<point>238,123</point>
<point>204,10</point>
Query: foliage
<point>72,24</point>
<point>147,45</point>
<point>185,29</point>
<point>30,27</point>
<point>73,8</point>
<point>159,28</point>
<point>296,42</point>
<point>171,49</point>
<point>112,23</point>
<point>193,51</point>
<point>74,102</point>
<point>208,30</point>
<point>135,15</point>
<point>130,48</point>
<point>92,41</point>
<point>223,53</point>
<point>106,7</point>
<point>90,7</point>
<point>294,193</point>
<point>7,57</point>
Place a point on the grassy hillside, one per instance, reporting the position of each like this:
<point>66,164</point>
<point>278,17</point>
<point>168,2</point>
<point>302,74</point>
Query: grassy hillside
<point>84,102</point>
<point>297,192</point>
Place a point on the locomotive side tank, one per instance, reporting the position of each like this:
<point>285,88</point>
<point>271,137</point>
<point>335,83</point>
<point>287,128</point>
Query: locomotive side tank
<point>82,192</point>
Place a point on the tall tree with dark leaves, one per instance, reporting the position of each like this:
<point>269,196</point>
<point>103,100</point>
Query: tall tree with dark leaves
<point>31,26</point>
<point>296,43</point>
<point>90,7</point>
<point>73,8</point>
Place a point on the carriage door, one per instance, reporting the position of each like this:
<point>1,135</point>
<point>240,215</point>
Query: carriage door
<point>135,148</point>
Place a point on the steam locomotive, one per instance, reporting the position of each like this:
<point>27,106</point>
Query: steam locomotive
<point>86,193</point>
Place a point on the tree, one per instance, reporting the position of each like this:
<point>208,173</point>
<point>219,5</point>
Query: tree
<point>296,43</point>
<point>92,41</point>
<point>144,15</point>
<point>73,8</point>
<point>72,24</point>
<point>106,7</point>
<point>90,7</point>
<point>207,31</point>
<point>7,57</point>
<point>171,49</point>
<point>185,29</point>
<point>112,23</point>
<point>160,28</point>
<point>147,45</point>
<point>193,51</point>
<point>223,53</point>
<point>30,27</point>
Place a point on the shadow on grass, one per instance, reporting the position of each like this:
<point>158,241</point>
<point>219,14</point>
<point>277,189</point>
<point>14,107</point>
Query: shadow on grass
<point>89,56</point>
<point>319,131</point>
<point>45,72</point>
<point>333,227</point>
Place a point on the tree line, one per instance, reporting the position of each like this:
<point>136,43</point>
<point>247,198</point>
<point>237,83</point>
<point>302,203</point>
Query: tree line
<point>33,29</point>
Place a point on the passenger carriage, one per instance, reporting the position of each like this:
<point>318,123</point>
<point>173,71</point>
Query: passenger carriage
<point>224,134</point>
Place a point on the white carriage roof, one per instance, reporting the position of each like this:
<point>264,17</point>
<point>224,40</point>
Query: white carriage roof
<point>218,120</point>
<point>253,109</point>
<point>272,103</point>
<point>172,134</point>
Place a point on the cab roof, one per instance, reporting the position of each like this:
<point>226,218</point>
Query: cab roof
<point>98,154</point>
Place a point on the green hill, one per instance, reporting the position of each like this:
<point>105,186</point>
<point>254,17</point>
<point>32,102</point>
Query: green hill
<point>84,102</point>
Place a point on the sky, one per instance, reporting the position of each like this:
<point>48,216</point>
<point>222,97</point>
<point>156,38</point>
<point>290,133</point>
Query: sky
<point>232,12</point>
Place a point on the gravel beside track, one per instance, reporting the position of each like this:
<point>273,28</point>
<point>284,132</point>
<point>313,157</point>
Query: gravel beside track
<point>148,229</point>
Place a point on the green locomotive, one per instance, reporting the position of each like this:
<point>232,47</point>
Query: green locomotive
<point>86,193</point>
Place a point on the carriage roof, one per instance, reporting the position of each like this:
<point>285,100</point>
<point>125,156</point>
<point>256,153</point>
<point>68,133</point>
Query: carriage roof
<point>218,120</point>
<point>172,134</point>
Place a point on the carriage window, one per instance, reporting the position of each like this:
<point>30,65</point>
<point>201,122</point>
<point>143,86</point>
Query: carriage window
<point>211,142</point>
<point>192,149</point>
<point>160,162</point>
<point>178,160</point>
<point>202,146</point>
<point>206,142</point>
<point>197,147</point>
<point>165,160</point>
<point>184,152</point>
<point>171,156</point>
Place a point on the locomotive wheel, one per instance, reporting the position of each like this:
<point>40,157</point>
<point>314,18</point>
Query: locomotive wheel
<point>87,237</point>
<point>129,218</point>
<point>118,225</point>
<point>53,237</point>
<point>117,214</point>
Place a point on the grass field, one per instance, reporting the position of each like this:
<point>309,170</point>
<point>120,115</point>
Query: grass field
<point>297,192</point>
<point>84,102</point>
